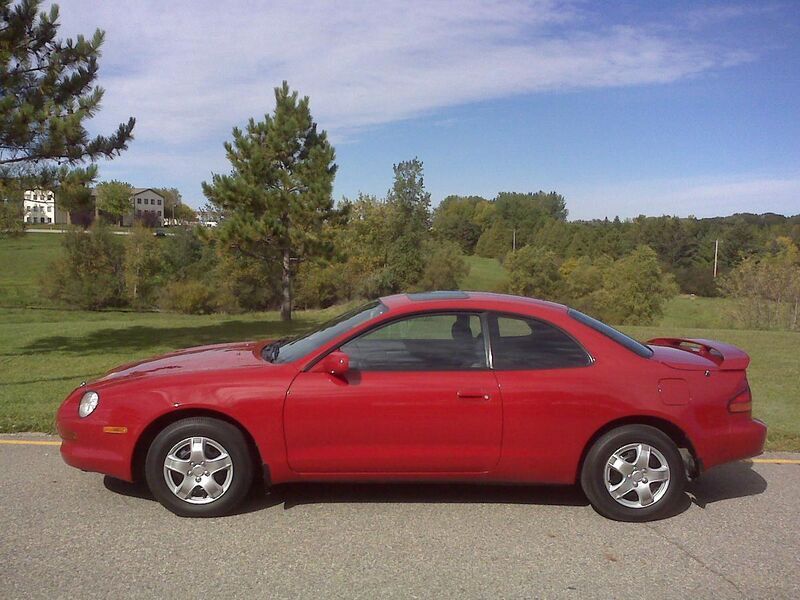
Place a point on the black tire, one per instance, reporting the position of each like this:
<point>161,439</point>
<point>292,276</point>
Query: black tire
<point>593,475</point>
<point>222,434</point>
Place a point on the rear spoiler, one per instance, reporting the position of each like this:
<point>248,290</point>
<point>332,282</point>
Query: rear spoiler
<point>728,357</point>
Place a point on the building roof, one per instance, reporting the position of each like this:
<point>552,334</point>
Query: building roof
<point>135,192</point>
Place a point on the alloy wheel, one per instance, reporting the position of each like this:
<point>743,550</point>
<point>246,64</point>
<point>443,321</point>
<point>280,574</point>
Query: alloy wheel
<point>637,475</point>
<point>198,470</point>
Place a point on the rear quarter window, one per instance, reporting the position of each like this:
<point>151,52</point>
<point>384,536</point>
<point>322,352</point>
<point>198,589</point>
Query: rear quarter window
<point>520,343</point>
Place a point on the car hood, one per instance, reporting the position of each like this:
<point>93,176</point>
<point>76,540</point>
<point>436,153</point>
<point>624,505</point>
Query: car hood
<point>190,360</point>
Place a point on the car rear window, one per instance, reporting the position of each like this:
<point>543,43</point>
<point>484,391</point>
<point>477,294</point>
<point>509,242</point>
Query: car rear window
<point>522,343</point>
<point>608,331</point>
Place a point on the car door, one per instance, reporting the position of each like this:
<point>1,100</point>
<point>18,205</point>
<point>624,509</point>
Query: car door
<point>418,398</point>
<point>551,394</point>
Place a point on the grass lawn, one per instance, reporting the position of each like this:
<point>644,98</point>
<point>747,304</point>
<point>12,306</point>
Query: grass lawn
<point>45,352</point>
<point>485,274</point>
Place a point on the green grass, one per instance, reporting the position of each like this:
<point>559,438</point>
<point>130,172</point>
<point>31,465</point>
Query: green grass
<point>697,312</point>
<point>485,274</point>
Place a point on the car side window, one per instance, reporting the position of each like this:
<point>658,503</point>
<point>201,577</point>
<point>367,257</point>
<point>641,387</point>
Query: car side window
<point>436,342</point>
<point>523,343</point>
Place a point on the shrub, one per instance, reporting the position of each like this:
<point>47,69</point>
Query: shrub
<point>142,265</point>
<point>495,242</point>
<point>186,256</point>
<point>697,279</point>
<point>767,290</point>
<point>11,219</point>
<point>320,285</point>
<point>533,272</point>
<point>634,289</point>
<point>90,272</point>
<point>188,297</point>
<point>245,283</point>
<point>445,266</point>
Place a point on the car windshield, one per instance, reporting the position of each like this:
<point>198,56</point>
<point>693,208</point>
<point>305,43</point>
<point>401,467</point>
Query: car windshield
<point>608,331</point>
<point>284,351</point>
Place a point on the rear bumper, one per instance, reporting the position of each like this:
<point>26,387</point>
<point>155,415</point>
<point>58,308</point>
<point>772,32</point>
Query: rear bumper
<point>744,439</point>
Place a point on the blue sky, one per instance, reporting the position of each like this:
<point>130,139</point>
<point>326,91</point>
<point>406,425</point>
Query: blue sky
<point>625,108</point>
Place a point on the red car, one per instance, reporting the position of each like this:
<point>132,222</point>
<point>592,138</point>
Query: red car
<point>440,386</point>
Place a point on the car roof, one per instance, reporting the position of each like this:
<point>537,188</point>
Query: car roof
<point>456,299</point>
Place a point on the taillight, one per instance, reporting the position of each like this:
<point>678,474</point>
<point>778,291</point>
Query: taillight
<point>742,403</point>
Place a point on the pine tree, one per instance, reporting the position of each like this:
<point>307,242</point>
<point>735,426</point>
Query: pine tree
<point>278,194</point>
<point>48,91</point>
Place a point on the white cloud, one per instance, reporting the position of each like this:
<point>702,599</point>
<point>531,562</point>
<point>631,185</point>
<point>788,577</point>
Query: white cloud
<point>189,71</point>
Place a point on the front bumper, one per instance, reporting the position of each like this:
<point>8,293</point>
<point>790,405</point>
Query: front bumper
<point>86,446</point>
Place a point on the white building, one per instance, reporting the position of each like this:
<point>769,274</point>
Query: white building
<point>39,206</point>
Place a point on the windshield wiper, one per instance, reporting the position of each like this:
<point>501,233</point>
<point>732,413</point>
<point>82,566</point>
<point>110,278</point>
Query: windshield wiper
<point>270,351</point>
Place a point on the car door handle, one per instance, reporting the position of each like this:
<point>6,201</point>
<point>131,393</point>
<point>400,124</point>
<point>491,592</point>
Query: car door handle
<point>473,394</point>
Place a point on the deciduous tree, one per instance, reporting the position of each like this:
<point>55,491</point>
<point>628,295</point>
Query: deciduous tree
<point>114,197</point>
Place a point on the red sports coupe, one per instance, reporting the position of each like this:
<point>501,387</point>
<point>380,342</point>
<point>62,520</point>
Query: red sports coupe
<point>440,386</point>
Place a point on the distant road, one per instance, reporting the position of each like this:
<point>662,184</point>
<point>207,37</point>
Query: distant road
<point>68,534</point>
<point>116,232</point>
<point>67,230</point>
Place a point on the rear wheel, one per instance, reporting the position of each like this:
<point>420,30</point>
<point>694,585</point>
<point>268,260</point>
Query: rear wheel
<point>199,467</point>
<point>634,473</point>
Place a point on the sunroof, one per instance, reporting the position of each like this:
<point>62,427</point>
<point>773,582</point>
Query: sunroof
<point>438,296</point>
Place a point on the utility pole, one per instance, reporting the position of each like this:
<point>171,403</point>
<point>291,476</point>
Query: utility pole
<point>716,252</point>
<point>514,240</point>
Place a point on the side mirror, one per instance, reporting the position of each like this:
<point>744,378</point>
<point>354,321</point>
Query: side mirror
<point>336,363</point>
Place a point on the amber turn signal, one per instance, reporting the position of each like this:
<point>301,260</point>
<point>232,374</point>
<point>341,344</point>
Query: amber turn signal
<point>115,430</point>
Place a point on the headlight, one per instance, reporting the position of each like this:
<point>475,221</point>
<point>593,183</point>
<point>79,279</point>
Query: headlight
<point>88,404</point>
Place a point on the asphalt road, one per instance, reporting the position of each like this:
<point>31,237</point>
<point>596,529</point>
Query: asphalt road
<point>67,534</point>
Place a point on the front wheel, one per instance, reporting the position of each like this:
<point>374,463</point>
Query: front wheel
<point>634,473</point>
<point>199,467</point>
